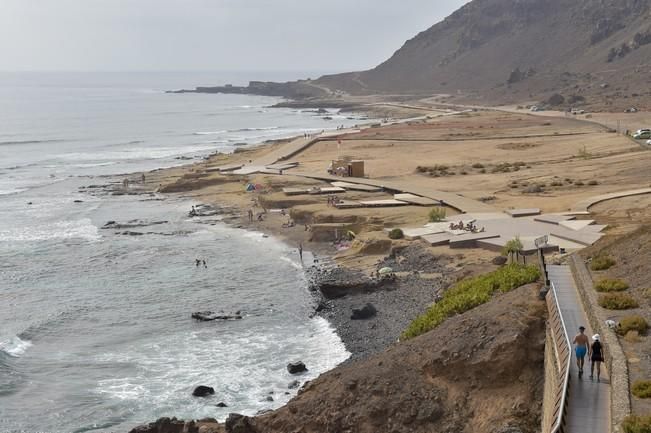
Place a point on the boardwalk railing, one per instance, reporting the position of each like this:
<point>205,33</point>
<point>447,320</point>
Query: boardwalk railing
<point>563,357</point>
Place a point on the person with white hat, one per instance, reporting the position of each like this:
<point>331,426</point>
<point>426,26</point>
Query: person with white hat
<point>596,356</point>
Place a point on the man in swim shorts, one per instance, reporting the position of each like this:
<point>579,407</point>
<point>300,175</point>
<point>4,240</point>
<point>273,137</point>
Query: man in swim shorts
<point>581,349</point>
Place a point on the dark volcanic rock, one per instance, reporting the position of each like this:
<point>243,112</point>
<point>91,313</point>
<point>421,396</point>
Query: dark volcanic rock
<point>366,312</point>
<point>499,260</point>
<point>161,425</point>
<point>203,391</point>
<point>338,282</point>
<point>208,316</point>
<point>296,367</point>
<point>236,423</point>
<point>293,384</point>
<point>221,404</point>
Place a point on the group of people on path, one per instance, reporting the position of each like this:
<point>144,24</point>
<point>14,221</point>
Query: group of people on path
<point>595,352</point>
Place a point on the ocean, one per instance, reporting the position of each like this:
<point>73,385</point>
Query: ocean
<point>95,326</point>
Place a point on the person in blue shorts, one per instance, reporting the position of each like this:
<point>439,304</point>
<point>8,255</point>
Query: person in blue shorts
<point>582,345</point>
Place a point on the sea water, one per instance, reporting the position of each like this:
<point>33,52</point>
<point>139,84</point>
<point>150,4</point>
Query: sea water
<point>95,326</point>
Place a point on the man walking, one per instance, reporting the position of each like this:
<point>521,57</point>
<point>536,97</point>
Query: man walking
<point>581,349</point>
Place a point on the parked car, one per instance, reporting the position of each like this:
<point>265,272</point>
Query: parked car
<point>648,142</point>
<point>642,135</point>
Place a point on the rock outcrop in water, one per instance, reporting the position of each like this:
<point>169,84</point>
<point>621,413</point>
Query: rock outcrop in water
<point>203,391</point>
<point>296,367</point>
<point>209,316</point>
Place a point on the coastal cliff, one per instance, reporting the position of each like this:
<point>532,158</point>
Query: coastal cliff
<point>293,90</point>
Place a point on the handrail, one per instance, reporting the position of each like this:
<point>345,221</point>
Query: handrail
<point>566,380</point>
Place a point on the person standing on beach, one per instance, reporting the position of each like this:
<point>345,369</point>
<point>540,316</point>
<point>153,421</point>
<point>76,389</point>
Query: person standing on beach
<point>596,356</point>
<point>582,346</point>
<point>197,262</point>
<point>204,263</point>
<point>300,250</point>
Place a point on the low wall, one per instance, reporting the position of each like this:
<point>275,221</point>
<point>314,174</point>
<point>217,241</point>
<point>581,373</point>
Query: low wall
<point>615,358</point>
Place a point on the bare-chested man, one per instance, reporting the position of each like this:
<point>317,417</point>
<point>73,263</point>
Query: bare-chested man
<point>581,349</point>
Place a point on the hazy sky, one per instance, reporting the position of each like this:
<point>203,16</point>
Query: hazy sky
<point>118,35</point>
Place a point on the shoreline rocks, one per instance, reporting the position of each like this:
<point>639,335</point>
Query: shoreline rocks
<point>296,367</point>
<point>209,316</point>
<point>203,391</point>
<point>366,312</point>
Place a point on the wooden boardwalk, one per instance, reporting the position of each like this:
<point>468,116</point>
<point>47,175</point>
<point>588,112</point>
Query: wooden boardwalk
<point>589,401</point>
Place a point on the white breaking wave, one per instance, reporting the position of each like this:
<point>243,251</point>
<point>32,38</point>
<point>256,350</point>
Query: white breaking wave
<point>15,346</point>
<point>210,132</point>
<point>82,228</point>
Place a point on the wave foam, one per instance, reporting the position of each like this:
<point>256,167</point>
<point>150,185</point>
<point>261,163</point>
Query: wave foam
<point>210,132</point>
<point>83,229</point>
<point>15,346</point>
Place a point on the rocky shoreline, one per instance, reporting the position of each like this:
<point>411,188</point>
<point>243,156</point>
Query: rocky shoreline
<point>368,312</point>
<point>343,297</point>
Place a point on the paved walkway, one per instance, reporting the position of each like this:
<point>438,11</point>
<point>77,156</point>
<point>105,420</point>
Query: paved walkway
<point>456,201</point>
<point>588,401</point>
<point>584,205</point>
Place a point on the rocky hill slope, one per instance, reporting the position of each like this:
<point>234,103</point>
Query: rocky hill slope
<point>519,49</point>
<point>479,372</point>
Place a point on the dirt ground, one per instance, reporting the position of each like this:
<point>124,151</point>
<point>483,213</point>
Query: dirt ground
<point>508,160</point>
<point>565,156</point>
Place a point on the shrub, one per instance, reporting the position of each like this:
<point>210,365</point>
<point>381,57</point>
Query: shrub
<point>396,234</point>
<point>637,424</point>
<point>470,293</point>
<point>642,388</point>
<point>593,183</point>
<point>606,285</point>
<point>617,301</point>
<point>633,323</point>
<point>437,214</point>
<point>632,337</point>
<point>601,262</point>
<point>477,165</point>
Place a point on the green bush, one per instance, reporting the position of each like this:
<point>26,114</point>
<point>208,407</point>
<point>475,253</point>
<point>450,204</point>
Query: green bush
<point>606,285</point>
<point>637,424</point>
<point>642,388</point>
<point>633,323</point>
<point>396,234</point>
<point>437,214</point>
<point>617,301</point>
<point>601,263</point>
<point>470,293</point>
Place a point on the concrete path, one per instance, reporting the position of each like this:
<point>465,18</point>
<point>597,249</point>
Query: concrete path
<point>588,402</point>
<point>456,201</point>
<point>584,205</point>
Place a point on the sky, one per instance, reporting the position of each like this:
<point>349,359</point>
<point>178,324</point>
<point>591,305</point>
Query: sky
<point>209,35</point>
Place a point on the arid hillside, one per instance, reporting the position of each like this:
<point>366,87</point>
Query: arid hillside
<point>517,50</point>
